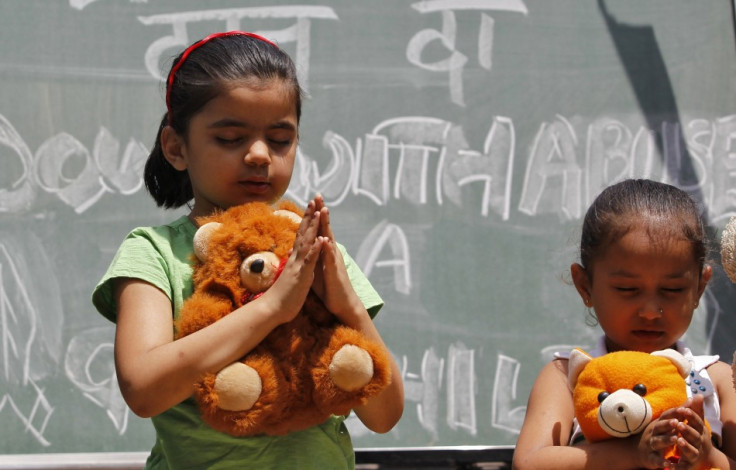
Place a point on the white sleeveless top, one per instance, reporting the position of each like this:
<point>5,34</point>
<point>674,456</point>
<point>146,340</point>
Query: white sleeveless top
<point>697,383</point>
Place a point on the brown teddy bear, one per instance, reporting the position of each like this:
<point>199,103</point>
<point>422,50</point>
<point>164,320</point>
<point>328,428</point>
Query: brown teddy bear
<point>303,371</point>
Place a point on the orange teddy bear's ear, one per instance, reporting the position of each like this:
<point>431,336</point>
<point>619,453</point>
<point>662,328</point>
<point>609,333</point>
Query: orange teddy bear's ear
<point>578,360</point>
<point>202,239</point>
<point>293,216</point>
<point>678,360</point>
<point>287,205</point>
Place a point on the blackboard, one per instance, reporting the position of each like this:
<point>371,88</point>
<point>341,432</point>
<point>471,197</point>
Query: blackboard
<point>458,143</point>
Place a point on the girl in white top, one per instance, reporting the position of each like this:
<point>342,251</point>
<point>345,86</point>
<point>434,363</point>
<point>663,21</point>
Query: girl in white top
<point>698,382</point>
<point>642,270</point>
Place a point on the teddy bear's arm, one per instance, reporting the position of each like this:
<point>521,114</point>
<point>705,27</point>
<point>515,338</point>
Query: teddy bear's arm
<point>201,310</point>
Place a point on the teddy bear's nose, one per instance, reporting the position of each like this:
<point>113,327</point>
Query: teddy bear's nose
<point>257,266</point>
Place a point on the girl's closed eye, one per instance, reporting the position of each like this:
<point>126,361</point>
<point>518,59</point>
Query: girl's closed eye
<point>276,141</point>
<point>280,142</point>
<point>673,290</point>
<point>281,139</point>
<point>228,140</point>
<point>626,289</point>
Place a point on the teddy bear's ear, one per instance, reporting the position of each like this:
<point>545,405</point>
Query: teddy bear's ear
<point>289,215</point>
<point>202,239</point>
<point>728,249</point>
<point>682,364</point>
<point>575,365</point>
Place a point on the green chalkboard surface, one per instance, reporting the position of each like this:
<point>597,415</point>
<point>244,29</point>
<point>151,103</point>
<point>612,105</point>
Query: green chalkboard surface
<point>458,143</point>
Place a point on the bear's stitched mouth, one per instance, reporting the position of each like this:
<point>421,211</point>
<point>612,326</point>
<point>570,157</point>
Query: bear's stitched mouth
<point>624,417</point>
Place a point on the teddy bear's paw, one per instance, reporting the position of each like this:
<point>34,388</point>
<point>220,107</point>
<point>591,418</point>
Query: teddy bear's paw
<point>238,387</point>
<point>351,368</point>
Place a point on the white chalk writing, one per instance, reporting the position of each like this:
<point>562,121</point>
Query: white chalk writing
<point>456,61</point>
<point>299,33</point>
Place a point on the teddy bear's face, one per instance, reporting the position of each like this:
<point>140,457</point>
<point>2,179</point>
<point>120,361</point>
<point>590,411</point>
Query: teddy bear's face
<point>618,394</point>
<point>259,271</point>
<point>303,371</point>
<point>242,250</point>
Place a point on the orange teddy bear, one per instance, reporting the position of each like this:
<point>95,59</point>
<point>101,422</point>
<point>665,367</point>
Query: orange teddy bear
<point>303,371</point>
<point>620,393</point>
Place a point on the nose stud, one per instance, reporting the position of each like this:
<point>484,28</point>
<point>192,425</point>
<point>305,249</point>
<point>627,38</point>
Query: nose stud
<point>650,312</point>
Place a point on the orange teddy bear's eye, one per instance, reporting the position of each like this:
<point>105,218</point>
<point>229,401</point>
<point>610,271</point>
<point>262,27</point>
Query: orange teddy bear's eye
<point>602,396</point>
<point>640,389</point>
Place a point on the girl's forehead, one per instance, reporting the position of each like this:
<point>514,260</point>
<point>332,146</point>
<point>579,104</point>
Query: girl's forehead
<point>651,240</point>
<point>263,100</point>
<point>257,84</point>
<point>655,229</point>
<point>649,248</point>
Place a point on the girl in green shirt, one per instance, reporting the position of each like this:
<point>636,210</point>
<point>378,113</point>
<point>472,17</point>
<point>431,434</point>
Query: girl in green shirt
<point>229,136</point>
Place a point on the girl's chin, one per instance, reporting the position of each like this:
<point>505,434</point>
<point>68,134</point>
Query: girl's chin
<point>640,340</point>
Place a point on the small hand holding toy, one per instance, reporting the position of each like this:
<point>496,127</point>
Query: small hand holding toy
<point>304,370</point>
<point>620,393</point>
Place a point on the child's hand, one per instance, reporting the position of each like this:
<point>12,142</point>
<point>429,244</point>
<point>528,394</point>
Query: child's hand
<point>682,429</point>
<point>656,439</point>
<point>694,440</point>
<point>331,280</point>
<point>288,293</point>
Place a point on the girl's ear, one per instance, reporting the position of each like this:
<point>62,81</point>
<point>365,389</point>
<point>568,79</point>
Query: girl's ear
<point>705,276</point>
<point>173,148</point>
<point>582,282</point>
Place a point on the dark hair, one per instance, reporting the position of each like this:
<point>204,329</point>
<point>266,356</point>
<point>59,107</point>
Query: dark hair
<point>205,73</point>
<point>615,211</point>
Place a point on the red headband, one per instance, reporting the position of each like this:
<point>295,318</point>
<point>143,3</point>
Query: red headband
<point>196,45</point>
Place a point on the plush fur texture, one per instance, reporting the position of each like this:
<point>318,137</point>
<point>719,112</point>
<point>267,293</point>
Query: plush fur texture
<point>640,388</point>
<point>295,385</point>
<point>618,374</point>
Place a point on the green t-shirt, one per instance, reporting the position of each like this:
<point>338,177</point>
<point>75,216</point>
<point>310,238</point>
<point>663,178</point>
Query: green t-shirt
<point>162,257</point>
